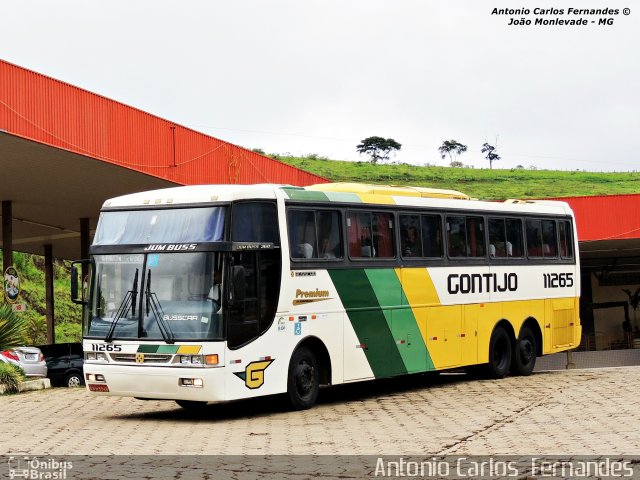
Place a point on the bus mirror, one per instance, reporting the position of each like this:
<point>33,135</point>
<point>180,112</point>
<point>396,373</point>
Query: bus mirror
<point>239,283</point>
<point>74,285</point>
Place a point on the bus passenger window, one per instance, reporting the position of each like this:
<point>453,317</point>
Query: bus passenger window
<point>456,236</point>
<point>329,234</point>
<point>431,235</point>
<point>315,234</point>
<point>302,234</point>
<point>549,239</point>
<point>514,238</point>
<point>466,236</point>
<point>475,236</point>
<point>370,235</point>
<point>410,241</point>
<point>497,238</point>
<point>534,238</point>
<point>566,240</point>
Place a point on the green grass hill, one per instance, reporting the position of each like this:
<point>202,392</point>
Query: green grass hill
<point>479,183</point>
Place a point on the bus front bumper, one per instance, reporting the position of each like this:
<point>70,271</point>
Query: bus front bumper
<point>162,383</point>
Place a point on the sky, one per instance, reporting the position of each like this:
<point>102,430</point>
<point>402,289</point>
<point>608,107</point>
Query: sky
<point>316,77</point>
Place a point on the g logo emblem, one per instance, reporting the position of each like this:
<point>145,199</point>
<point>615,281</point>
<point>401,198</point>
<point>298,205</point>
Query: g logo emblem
<point>139,357</point>
<point>253,375</point>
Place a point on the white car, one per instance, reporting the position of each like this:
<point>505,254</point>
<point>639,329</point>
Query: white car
<point>30,359</point>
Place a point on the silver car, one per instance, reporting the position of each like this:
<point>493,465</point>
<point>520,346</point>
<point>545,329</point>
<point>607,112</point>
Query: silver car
<point>30,359</point>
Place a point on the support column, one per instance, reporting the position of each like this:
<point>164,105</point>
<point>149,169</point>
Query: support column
<point>84,246</point>
<point>48,281</point>
<point>7,235</point>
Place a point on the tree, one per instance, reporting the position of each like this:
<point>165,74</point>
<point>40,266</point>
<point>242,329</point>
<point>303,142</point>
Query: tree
<point>378,148</point>
<point>490,153</point>
<point>452,148</point>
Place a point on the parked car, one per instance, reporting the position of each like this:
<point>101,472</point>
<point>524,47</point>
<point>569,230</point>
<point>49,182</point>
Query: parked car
<point>64,363</point>
<point>30,359</point>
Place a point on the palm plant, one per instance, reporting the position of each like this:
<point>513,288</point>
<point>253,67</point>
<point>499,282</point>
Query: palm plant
<point>11,327</point>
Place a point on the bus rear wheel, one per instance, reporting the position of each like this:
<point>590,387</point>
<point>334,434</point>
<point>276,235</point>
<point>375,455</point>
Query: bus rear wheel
<point>524,356</point>
<point>499,354</point>
<point>303,382</point>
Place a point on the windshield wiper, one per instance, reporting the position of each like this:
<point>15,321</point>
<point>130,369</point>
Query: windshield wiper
<point>129,301</point>
<point>153,304</point>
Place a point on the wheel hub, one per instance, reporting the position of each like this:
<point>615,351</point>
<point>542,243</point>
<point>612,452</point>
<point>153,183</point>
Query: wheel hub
<point>305,375</point>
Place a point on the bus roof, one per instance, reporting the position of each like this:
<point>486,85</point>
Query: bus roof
<point>398,190</point>
<point>338,193</point>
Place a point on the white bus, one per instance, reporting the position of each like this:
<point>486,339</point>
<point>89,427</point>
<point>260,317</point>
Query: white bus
<point>215,293</point>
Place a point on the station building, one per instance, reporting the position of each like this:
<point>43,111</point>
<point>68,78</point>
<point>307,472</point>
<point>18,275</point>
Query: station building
<point>64,150</point>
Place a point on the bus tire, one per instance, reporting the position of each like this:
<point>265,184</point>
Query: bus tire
<point>303,382</point>
<point>524,355</point>
<point>191,404</point>
<point>499,354</point>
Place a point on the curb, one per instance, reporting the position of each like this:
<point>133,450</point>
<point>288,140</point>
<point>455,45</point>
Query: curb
<point>30,385</point>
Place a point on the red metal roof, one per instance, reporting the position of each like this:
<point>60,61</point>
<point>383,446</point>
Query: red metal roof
<point>45,110</point>
<point>52,112</point>
<point>606,217</point>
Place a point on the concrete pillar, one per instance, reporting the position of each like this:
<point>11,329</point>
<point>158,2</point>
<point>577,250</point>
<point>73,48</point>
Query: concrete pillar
<point>7,235</point>
<point>85,241</point>
<point>48,280</point>
<point>570,364</point>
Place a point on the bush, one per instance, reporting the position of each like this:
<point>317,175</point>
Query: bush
<point>10,376</point>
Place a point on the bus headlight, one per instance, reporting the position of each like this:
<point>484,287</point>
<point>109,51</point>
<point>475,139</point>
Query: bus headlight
<point>95,357</point>
<point>210,360</point>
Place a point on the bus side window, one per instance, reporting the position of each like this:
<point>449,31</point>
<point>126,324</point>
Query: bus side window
<point>456,237</point>
<point>475,237</point>
<point>359,234</point>
<point>329,234</point>
<point>566,239</point>
<point>255,222</point>
<point>549,239</point>
<point>534,238</point>
<point>370,234</point>
<point>514,238</point>
<point>431,228</point>
<point>302,234</point>
<point>410,236</point>
<point>497,238</point>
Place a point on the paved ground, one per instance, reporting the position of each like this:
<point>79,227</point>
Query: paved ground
<point>561,412</point>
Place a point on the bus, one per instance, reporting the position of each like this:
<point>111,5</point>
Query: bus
<point>214,293</point>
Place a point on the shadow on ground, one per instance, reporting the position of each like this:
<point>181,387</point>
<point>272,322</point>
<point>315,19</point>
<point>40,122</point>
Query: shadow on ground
<point>264,406</point>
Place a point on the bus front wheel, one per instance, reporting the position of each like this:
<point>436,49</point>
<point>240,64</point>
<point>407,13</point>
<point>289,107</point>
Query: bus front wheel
<point>303,382</point>
<point>499,354</point>
<point>524,356</point>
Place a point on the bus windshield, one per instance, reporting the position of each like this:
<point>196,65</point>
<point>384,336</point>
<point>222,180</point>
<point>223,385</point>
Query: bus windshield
<point>178,225</point>
<point>156,296</point>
